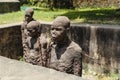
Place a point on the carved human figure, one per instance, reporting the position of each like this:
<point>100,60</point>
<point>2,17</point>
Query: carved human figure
<point>34,51</point>
<point>28,17</point>
<point>32,47</point>
<point>65,55</point>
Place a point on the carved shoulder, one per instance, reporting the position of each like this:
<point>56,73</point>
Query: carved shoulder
<point>75,47</point>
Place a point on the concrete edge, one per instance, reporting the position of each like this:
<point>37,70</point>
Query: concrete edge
<point>9,1</point>
<point>72,24</point>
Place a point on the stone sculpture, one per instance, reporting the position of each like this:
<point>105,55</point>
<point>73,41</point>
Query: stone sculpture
<point>65,55</point>
<point>32,45</point>
<point>28,17</point>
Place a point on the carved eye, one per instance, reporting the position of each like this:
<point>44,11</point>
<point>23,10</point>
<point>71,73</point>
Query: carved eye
<point>27,15</point>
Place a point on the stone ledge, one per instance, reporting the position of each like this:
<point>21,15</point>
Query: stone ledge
<point>9,1</point>
<point>10,25</point>
<point>106,26</point>
<point>18,70</point>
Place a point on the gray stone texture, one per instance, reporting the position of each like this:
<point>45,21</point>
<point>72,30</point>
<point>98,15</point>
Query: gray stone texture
<point>9,6</point>
<point>10,41</point>
<point>9,0</point>
<point>17,70</point>
<point>100,42</point>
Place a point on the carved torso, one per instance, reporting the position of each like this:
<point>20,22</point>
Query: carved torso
<point>24,31</point>
<point>63,59</point>
<point>32,53</point>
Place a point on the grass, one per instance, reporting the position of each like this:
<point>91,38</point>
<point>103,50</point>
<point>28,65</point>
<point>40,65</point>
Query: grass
<point>112,76</point>
<point>98,15</point>
<point>91,73</point>
<point>11,17</point>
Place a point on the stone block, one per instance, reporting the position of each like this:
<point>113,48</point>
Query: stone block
<point>9,6</point>
<point>11,41</point>
<point>18,70</point>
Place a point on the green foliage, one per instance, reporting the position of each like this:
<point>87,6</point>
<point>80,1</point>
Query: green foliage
<point>106,72</point>
<point>112,76</point>
<point>31,2</point>
<point>115,76</point>
<point>20,58</point>
<point>73,3</point>
<point>37,3</point>
<point>105,75</point>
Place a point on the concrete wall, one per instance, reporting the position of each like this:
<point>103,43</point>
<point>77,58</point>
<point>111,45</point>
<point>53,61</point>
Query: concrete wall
<point>100,44</point>
<point>9,6</point>
<point>10,41</point>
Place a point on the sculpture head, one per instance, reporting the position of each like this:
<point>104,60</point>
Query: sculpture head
<point>29,14</point>
<point>59,28</point>
<point>33,28</point>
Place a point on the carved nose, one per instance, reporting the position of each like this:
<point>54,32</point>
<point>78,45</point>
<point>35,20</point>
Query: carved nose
<point>53,34</point>
<point>53,31</point>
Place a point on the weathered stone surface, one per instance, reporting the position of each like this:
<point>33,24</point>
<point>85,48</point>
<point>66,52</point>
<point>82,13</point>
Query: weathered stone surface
<point>9,0</point>
<point>17,70</point>
<point>108,48</point>
<point>9,6</point>
<point>100,42</point>
<point>10,41</point>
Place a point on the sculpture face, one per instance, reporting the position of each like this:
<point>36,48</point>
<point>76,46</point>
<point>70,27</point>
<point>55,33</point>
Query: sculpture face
<point>59,28</point>
<point>29,14</point>
<point>65,55</point>
<point>58,33</point>
<point>32,28</point>
<point>32,32</point>
<point>28,17</point>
